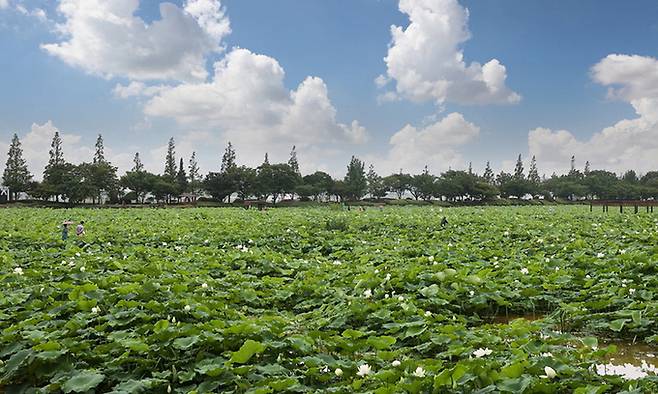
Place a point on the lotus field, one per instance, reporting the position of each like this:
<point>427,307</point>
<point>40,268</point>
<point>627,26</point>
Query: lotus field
<point>532,299</point>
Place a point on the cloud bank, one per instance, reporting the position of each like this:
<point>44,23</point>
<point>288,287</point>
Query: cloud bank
<point>628,144</point>
<point>104,37</point>
<point>427,64</point>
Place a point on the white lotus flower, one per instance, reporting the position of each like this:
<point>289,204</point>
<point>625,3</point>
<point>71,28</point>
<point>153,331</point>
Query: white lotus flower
<point>547,354</point>
<point>400,298</point>
<point>367,293</point>
<point>386,295</point>
<point>428,313</point>
<point>83,269</point>
<point>600,255</point>
<point>337,262</point>
<point>482,352</point>
<point>95,309</point>
<point>525,271</point>
<point>388,277</point>
<point>550,373</point>
<point>187,308</point>
<point>588,277</point>
<point>204,285</point>
<point>18,271</point>
<point>168,388</point>
<point>431,258</point>
<point>364,370</point>
<point>419,372</point>
<point>622,251</point>
<point>396,363</point>
<point>631,291</point>
<point>471,293</point>
<point>173,319</point>
<point>506,233</point>
<point>338,372</point>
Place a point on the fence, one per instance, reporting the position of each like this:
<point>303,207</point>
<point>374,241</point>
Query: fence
<point>636,204</point>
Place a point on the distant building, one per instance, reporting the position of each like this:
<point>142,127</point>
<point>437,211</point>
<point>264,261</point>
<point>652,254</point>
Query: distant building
<point>188,198</point>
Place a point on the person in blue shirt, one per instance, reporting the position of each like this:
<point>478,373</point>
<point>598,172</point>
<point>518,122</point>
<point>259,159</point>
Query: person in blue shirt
<point>65,230</point>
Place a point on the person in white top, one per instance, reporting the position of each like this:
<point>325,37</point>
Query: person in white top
<point>80,230</point>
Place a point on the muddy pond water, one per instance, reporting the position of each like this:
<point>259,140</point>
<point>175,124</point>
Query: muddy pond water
<point>630,361</point>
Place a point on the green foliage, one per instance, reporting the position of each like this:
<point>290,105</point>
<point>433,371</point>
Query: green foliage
<point>170,161</point>
<point>356,184</point>
<point>230,300</point>
<point>16,175</point>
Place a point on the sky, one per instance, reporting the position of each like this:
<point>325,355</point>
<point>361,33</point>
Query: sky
<point>402,84</point>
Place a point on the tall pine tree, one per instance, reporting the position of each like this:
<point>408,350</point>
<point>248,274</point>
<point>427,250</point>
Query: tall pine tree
<point>99,155</point>
<point>56,172</point>
<point>137,164</point>
<point>16,175</point>
<point>292,162</point>
<point>56,154</point>
<point>170,161</point>
<point>181,178</point>
<point>193,173</point>
<point>518,169</point>
<point>228,159</point>
<point>533,174</point>
<point>489,175</point>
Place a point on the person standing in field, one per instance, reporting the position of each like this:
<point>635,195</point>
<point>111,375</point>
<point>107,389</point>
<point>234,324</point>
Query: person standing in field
<point>65,230</point>
<point>80,230</point>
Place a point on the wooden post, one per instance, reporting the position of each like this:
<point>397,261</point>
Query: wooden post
<point>590,207</point>
<point>621,208</point>
<point>636,209</point>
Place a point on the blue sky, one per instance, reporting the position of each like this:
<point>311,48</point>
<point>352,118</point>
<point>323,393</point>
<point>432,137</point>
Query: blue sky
<point>548,50</point>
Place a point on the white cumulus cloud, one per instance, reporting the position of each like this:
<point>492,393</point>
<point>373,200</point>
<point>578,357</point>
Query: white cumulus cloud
<point>434,145</point>
<point>4,4</point>
<point>247,101</point>
<point>105,38</point>
<point>136,89</point>
<point>628,144</point>
<point>427,64</point>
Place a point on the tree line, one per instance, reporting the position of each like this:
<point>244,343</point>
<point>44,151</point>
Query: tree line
<point>98,181</point>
